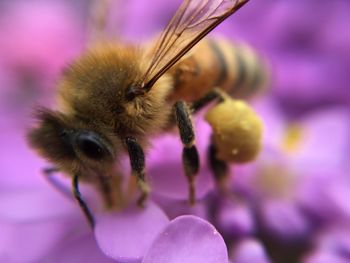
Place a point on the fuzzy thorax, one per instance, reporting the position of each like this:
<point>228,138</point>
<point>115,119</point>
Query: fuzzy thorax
<point>95,88</point>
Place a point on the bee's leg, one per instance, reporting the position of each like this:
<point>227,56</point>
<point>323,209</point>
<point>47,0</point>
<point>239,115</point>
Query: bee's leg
<point>84,207</point>
<point>137,162</point>
<point>218,167</point>
<point>214,94</point>
<point>49,174</point>
<point>190,156</point>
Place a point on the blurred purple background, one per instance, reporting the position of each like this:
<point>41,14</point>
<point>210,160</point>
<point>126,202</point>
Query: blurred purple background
<point>307,43</point>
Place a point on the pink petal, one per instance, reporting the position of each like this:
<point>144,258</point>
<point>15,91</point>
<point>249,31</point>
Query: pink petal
<point>35,204</point>
<point>31,242</point>
<point>324,256</point>
<point>188,239</point>
<point>250,251</point>
<point>236,219</point>
<point>284,219</point>
<point>318,148</point>
<point>79,249</point>
<point>20,166</point>
<point>126,236</point>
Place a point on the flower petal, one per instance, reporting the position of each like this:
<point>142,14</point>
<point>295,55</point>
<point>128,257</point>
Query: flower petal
<point>79,249</point>
<point>126,236</point>
<point>22,242</point>
<point>188,239</point>
<point>236,219</point>
<point>24,205</point>
<point>324,256</point>
<point>317,150</point>
<point>284,219</point>
<point>336,240</point>
<point>249,251</point>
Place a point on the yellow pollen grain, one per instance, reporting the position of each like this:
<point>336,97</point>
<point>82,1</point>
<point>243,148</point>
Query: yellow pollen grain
<point>292,139</point>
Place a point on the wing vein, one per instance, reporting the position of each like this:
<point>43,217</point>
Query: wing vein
<point>193,20</point>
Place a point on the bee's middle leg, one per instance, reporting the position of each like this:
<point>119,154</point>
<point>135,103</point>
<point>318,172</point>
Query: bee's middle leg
<point>219,168</point>
<point>137,162</point>
<point>190,156</point>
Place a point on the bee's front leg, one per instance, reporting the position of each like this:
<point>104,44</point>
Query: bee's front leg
<point>83,205</point>
<point>137,162</point>
<point>190,156</point>
<point>49,175</point>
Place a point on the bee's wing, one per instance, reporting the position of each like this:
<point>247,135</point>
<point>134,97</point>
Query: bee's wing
<point>193,20</point>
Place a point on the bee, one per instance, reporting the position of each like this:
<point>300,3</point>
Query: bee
<point>115,97</point>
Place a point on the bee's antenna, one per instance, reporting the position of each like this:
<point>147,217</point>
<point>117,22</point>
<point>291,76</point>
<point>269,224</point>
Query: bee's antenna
<point>133,91</point>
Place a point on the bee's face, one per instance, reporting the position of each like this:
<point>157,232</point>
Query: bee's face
<point>70,145</point>
<point>86,144</point>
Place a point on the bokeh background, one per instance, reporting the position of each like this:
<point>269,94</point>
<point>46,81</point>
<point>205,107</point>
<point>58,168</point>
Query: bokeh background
<point>294,201</point>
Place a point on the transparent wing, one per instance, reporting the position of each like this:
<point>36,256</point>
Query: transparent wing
<point>193,20</point>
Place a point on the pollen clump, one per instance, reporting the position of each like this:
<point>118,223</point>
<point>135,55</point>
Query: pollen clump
<point>237,131</point>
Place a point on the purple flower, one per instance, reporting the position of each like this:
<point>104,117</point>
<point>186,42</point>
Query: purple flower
<point>331,245</point>
<point>307,45</point>
<point>286,182</point>
<point>296,188</point>
<point>293,198</point>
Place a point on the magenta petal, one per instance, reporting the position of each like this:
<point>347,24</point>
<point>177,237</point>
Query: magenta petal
<point>325,194</point>
<point>317,148</point>
<point>31,242</point>
<point>284,219</point>
<point>236,219</point>
<point>127,235</point>
<point>250,251</point>
<point>324,256</point>
<point>39,203</point>
<point>79,249</point>
<point>336,240</point>
<point>188,239</point>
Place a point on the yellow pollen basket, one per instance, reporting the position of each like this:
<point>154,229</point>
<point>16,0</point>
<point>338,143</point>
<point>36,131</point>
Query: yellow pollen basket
<point>237,130</point>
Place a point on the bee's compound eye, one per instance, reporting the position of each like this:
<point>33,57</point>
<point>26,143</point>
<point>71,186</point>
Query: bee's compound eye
<point>90,145</point>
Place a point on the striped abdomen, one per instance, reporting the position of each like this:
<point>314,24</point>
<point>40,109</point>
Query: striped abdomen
<point>235,68</point>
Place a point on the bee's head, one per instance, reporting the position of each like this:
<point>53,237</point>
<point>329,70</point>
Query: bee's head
<point>71,144</point>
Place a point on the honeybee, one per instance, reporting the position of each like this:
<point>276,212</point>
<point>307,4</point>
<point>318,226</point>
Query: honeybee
<point>115,97</point>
